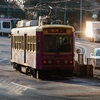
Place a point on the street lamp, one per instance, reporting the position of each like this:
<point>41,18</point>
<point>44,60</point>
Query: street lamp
<point>94,16</point>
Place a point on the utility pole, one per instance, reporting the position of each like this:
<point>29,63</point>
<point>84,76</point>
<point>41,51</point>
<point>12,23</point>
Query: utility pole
<point>40,7</point>
<point>81,15</point>
<point>65,18</point>
<point>65,12</point>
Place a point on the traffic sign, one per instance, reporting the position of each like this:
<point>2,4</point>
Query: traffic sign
<point>78,51</point>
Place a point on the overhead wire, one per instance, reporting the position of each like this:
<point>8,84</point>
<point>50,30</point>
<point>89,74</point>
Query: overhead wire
<point>43,4</point>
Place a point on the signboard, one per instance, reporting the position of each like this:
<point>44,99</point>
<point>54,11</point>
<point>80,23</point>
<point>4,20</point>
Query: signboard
<point>78,51</point>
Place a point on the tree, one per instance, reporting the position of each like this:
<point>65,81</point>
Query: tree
<point>16,11</point>
<point>2,7</point>
<point>3,2</point>
<point>97,0</point>
<point>72,9</point>
<point>9,10</point>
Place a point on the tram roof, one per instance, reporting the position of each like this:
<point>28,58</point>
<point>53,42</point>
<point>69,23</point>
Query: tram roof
<point>32,29</point>
<point>8,19</point>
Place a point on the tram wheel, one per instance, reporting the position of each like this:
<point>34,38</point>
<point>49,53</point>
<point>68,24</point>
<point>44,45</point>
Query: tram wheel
<point>14,65</point>
<point>32,72</point>
<point>28,71</point>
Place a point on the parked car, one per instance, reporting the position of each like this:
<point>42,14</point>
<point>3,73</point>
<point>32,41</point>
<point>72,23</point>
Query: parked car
<point>95,58</point>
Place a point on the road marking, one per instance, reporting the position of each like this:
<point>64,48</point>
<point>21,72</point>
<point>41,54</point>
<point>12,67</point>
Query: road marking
<point>3,60</point>
<point>14,87</point>
<point>85,44</point>
<point>22,86</point>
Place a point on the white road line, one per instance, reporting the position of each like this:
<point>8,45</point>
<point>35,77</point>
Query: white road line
<point>14,87</point>
<point>83,44</point>
<point>3,60</point>
<point>22,86</point>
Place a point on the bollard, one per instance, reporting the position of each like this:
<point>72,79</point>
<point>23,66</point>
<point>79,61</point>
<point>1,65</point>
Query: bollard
<point>76,68</point>
<point>83,70</point>
<point>89,70</point>
<point>79,35</point>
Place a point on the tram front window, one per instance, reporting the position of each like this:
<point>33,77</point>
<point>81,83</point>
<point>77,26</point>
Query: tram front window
<point>14,22</point>
<point>57,43</point>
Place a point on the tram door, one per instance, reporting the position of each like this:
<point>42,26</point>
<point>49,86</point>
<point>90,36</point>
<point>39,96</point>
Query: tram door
<point>25,43</point>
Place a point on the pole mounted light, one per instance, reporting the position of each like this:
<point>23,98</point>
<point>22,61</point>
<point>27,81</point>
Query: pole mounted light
<point>94,16</point>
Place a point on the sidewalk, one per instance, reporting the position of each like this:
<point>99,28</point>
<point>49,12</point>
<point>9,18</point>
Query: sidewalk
<point>92,80</point>
<point>80,36</point>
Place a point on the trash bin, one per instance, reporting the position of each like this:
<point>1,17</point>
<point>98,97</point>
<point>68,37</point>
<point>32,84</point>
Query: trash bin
<point>79,35</point>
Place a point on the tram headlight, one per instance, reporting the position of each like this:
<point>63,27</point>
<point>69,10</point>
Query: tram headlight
<point>66,61</point>
<point>49,62</point>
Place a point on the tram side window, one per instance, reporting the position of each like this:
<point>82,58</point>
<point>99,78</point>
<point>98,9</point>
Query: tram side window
<point>34,43</point>
<point>28,43</point>
<point>18,42</point>
<point>22,41</point>
<point>15,42</point>
<point>31,43</point>
<point>6,24</point>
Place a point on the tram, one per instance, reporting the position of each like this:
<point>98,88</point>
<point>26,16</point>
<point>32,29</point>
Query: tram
<point>40,50</point>
<point>6,24</point>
